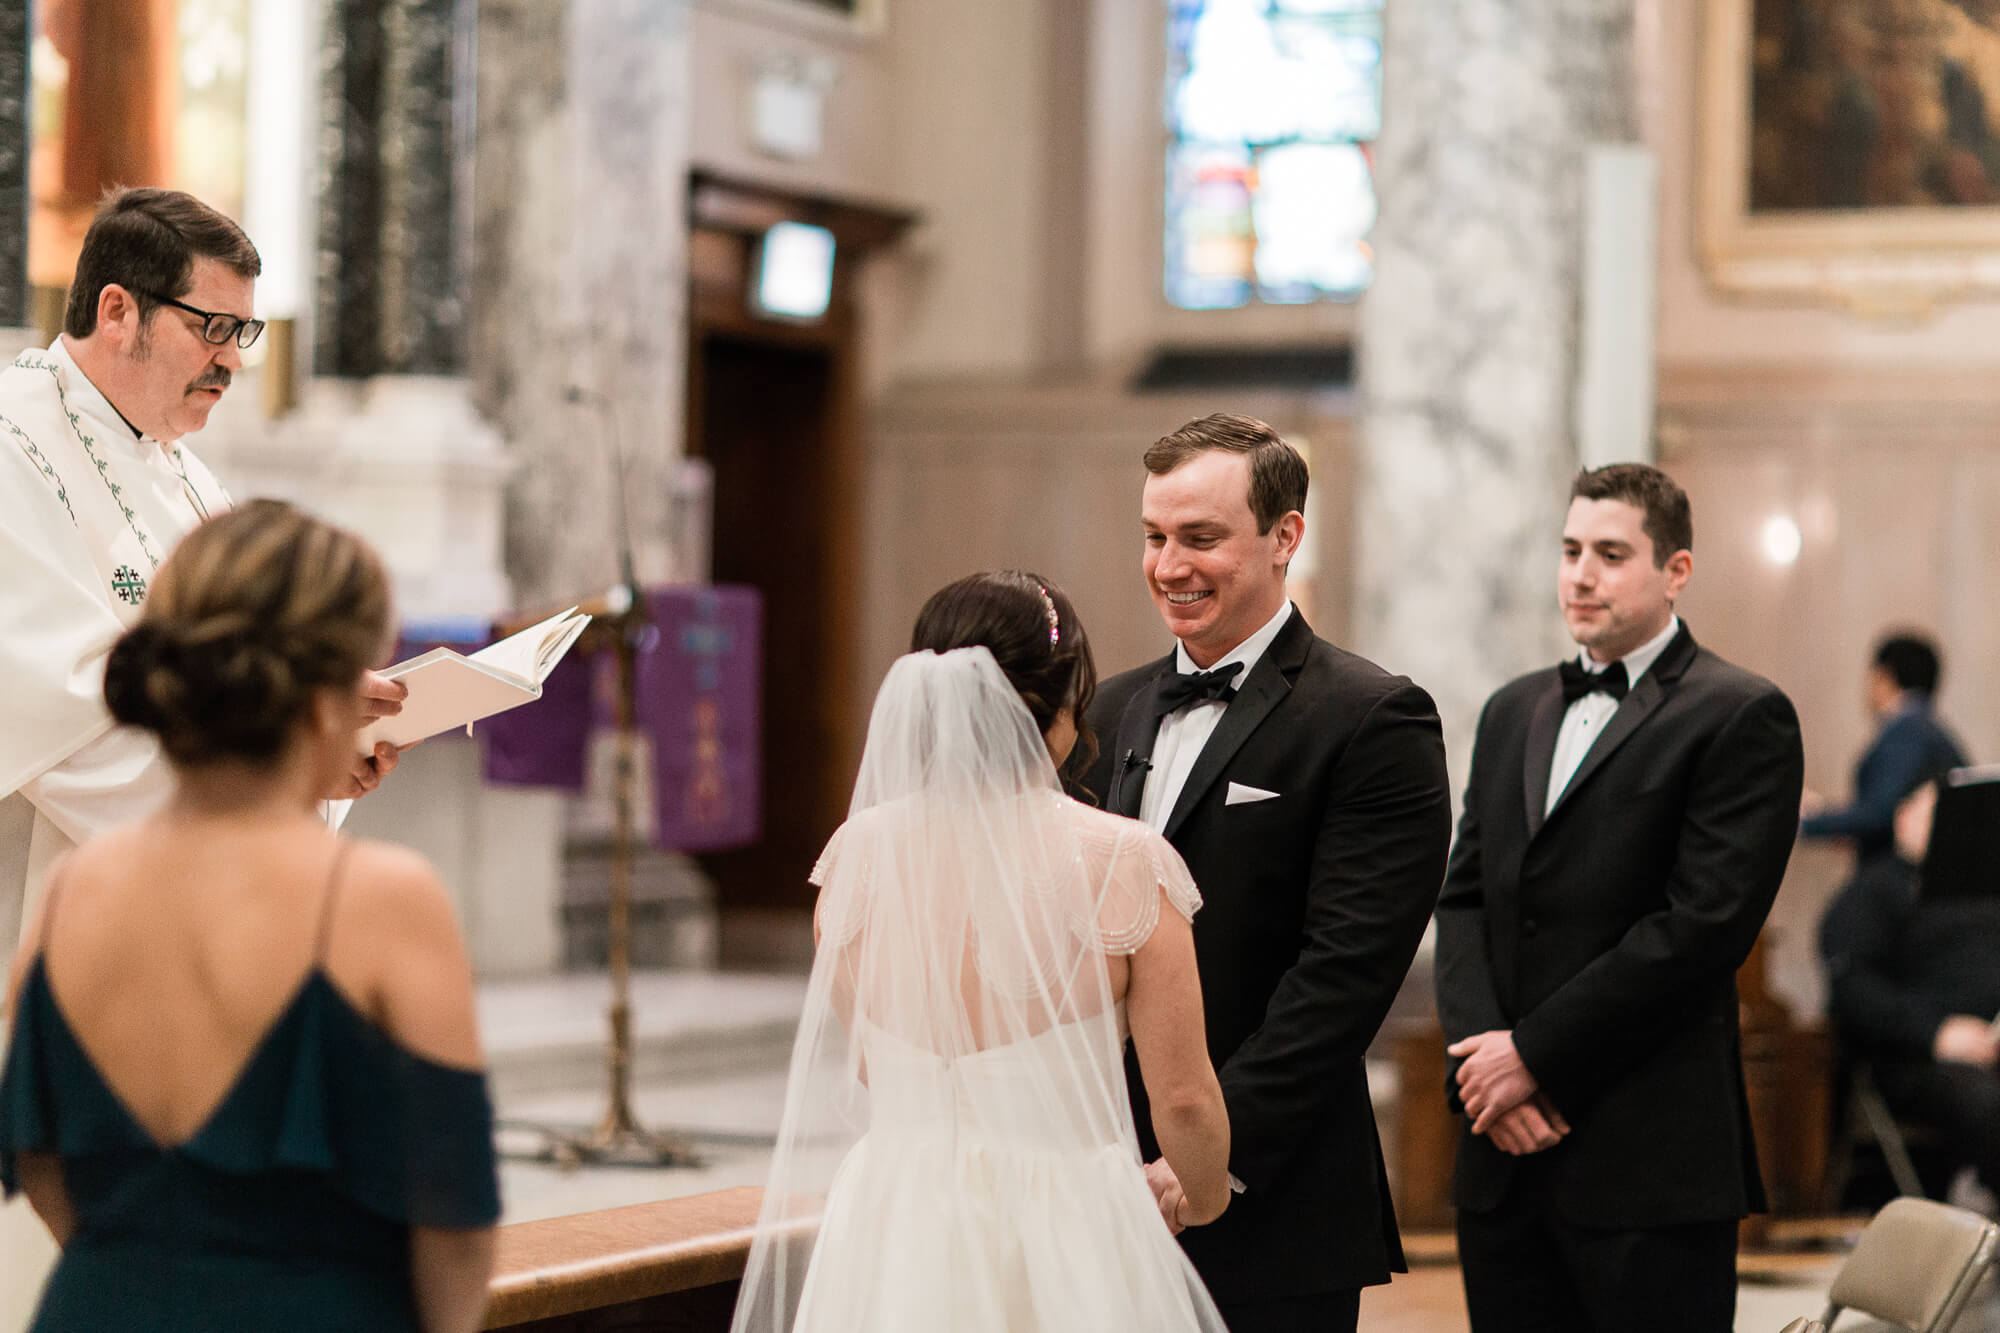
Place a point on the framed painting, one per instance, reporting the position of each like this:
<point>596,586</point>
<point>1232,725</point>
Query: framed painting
<point>1850,151</point>
<point>841,17</point>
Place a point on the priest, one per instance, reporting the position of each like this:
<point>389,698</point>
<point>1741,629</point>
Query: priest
<point>97,485</point>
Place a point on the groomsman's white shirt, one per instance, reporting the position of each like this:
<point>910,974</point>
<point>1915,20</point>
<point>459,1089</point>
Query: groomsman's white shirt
<point>1186,730</point>
<point>1587,716</point>
<point>108,775</point>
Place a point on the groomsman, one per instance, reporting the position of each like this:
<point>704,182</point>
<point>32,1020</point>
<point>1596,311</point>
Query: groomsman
<point>1306,789</point>
<point>1626,825</point>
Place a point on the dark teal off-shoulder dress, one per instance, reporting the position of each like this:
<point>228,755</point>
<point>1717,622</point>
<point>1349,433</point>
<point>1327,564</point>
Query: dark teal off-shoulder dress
<point>289,1209</point>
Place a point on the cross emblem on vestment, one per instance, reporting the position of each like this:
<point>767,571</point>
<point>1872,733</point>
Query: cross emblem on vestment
<point>125,581</point>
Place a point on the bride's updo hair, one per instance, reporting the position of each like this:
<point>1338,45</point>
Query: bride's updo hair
<point>1032,631</point>
<point>256,610</point>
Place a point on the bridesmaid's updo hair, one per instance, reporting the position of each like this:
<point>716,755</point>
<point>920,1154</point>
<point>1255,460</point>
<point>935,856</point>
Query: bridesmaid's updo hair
<point>256,610</point>
<point>1032,631</point>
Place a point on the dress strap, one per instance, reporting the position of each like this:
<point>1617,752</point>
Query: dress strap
<point>326,901</point>
<point>49,905</point>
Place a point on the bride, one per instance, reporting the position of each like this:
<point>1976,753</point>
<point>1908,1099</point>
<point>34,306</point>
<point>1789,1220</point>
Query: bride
<point>957,1149</point>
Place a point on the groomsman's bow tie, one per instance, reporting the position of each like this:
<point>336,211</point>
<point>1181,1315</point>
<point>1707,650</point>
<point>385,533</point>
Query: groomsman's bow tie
<point>1577,682</point>
<point>1179,688</point>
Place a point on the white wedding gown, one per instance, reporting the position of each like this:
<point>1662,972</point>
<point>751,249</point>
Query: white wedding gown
<point>1066,1235</point>
<point>957,1153</point>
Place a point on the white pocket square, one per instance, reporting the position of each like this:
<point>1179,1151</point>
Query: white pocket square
<point>1242,795</point>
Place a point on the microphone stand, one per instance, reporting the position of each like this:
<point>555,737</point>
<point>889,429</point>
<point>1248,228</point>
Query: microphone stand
<point>619,1139</point>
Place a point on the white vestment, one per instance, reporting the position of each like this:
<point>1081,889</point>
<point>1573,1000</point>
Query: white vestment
<point>88,511</point>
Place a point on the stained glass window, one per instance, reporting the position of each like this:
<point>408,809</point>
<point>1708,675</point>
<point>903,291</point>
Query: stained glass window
<point>1272,106</point>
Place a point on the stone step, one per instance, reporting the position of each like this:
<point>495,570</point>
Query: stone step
<point>550,1034</point>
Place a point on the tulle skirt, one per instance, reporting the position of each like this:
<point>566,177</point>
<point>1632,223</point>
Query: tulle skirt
<point>927,1234</point>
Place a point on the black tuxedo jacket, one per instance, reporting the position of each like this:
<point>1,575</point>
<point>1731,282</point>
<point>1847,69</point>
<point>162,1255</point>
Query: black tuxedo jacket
<point>1607,935</point>
<point>1313,905</point>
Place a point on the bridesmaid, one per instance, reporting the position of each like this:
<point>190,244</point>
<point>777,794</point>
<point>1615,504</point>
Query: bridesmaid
<point>244,1088</point>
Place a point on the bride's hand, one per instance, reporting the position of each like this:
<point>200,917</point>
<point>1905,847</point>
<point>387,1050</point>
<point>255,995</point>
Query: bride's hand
<point>1166,1187</point>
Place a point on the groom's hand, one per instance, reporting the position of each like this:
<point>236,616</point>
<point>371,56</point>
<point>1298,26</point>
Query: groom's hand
<point>1492,1080</point>
<point>1166,1187</point>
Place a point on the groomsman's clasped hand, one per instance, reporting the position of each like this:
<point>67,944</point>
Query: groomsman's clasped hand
<point>1503,1098</point>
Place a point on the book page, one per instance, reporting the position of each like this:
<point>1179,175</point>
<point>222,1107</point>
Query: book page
<point>532,653</point>
<point>450,690</point>
<point>556,645</point>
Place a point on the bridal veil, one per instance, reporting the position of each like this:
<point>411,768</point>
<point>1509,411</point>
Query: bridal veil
<point>956,1149</point>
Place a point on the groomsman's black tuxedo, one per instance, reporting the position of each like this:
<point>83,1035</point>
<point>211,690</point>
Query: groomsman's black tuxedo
<point>1314,902</point>
<point>1607,937</point>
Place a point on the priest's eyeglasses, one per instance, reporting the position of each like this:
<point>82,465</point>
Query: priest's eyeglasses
<point>219,328</point>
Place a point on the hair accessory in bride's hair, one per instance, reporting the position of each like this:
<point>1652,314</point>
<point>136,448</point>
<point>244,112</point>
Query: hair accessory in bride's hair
<point>1055,621</point>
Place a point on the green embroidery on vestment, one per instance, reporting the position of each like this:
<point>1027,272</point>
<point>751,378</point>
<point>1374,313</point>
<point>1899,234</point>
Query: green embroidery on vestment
<point>131,589</point>
<point>31,361</point>
<point>36,457</point>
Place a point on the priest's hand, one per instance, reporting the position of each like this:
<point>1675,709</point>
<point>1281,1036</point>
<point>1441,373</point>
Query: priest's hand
<point>380,697</point>
<point>368,771</point>
<point>1493,1080</point>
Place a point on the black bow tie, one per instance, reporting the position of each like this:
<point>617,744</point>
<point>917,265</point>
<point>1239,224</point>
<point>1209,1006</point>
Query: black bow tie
<point>1577,682</point>
<point>1179,689</point>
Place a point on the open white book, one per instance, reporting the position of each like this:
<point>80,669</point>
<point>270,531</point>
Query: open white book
<point>450,689</point>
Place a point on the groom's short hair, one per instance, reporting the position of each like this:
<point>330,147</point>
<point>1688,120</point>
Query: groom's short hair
<point>1669,519</point>
<point>1277,473</point>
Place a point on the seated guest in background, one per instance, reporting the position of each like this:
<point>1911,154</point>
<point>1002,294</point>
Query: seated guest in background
<point>1915,985</point>
<point>244,1089</point>
<point>1911,747</point>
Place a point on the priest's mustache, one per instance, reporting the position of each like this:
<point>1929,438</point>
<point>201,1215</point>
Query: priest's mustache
<point>216,378</point>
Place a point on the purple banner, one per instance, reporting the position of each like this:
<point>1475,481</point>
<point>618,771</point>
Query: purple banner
<point>699,679</point>
<point>699,687</point>
<point>544,743</point>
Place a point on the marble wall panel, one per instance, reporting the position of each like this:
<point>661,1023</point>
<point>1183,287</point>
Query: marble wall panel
<point>1895,484</point>
<point>14,129</point>
<point>422,312</point>
<point>967,478</point>
<point>389,296</point>
<point>346,312</point>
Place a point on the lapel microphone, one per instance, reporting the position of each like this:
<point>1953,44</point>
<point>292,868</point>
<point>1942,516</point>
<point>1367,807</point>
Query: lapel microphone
<point>1133,759</point>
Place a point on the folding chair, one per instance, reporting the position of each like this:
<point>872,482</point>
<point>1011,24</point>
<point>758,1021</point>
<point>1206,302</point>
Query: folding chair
<point>1866,1118</point>
<point>1915,1266</point>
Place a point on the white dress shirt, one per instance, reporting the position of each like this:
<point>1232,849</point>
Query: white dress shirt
<point>1587,716</point>
<point>1186,730</point>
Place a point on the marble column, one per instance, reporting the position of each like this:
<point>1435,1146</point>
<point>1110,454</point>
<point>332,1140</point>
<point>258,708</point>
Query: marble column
<point>14,35</point>
<point>389,299</point>
<point>580,252</point>
<point>1470,336</point>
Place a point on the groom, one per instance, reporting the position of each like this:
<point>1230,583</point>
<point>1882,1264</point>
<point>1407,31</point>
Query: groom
<point>1306,789</point>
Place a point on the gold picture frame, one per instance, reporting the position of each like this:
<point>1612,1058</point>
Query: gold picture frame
<point>1885,224</point>
<point>838,19</point>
